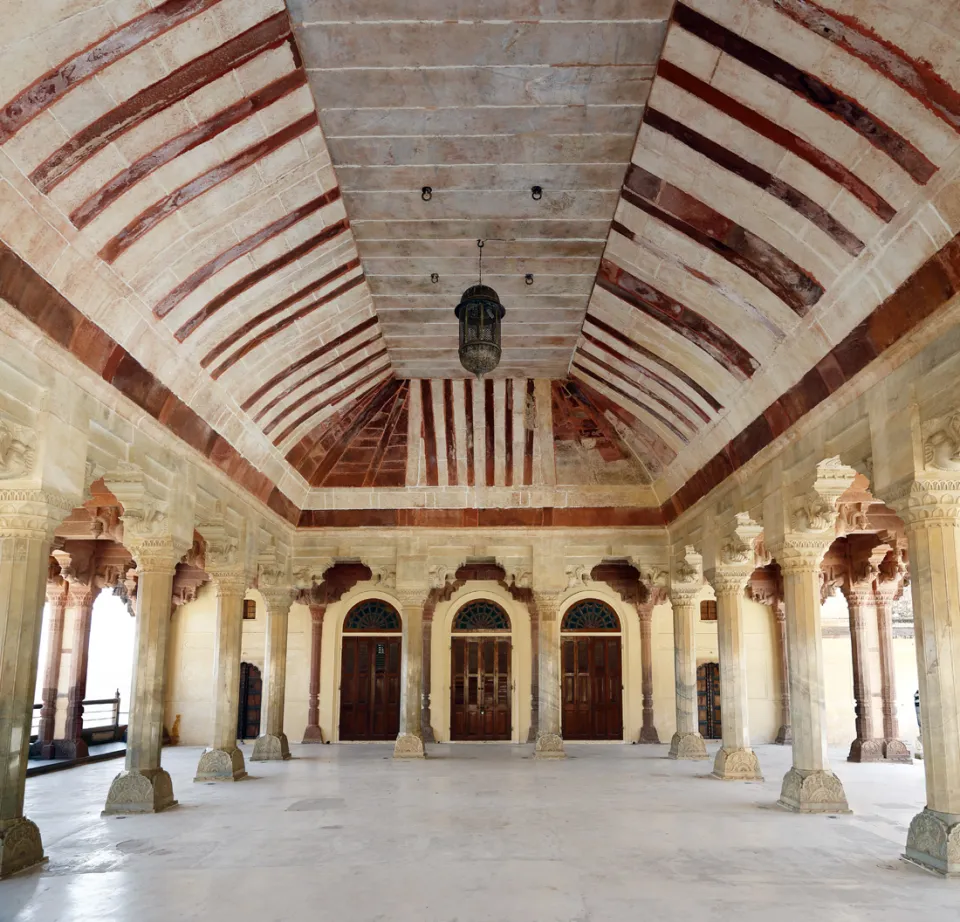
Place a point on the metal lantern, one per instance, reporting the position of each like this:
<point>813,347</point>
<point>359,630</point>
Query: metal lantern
<point>479,314</point>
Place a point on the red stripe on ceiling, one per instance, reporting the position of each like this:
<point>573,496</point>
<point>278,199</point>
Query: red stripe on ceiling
<point>56,83</point>
<point>643,390</point>
<point>812,89</point>
<point>324,387</point>
<point>308,358</point>
<point>491,441</point>
<point>429,434</point>
<point>798,289</point>
<point>508,433</point>
<point>779,135</point>
<point>147,220</point>
<point>600,517</point>
<point>468,407</point>
<point>349,353</point>
<point>916,77</point>
<point>576,366</point>
<point>389,430</point>
<point>616,334</point>
<point>802,204</point>
<point>354,390</point>
<point>646,372</point>
<point>176,86</point>
<point>205,131</point>
<point>679,318</point>
<point>210,269</point>
<point>451,432</point>
<point>282,325</point>
<point>528,437</point>
<point>258,275</point>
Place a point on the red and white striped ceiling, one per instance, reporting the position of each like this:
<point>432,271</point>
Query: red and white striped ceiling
<point>231,189</point>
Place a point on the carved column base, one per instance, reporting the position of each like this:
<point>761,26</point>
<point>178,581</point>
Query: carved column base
<point>20,846</point>
<point>737,765</point>
<point>69,749</point>
<point>688,746</point>
<point>866,751</point>
<point>270,748</point>
<point>221,765</point>
<point>784,736</point>
<point>408,746</point>
<point>312,735</point>
<point>896,751</point>
<point>649,735</point>
<point>812,792</point>
<point>549,746</point>
<point>140,792</point>
<point>933,842</point>
<point>428,735</point>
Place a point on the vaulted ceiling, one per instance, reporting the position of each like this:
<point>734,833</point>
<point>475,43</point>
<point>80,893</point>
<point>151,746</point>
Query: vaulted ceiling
<point>231,190</point>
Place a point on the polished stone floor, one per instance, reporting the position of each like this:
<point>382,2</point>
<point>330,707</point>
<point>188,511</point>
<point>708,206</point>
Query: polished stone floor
<point>477,834</point>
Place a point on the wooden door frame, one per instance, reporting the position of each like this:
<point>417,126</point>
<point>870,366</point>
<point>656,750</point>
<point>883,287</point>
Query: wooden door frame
<point>570,635</point>
<point>483,635</point>
<point>369,635</point>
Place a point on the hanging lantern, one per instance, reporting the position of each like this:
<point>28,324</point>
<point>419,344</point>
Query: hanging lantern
<point>479,314</point>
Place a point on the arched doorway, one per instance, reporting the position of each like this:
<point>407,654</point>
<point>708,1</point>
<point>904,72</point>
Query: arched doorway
<point>480,705</point>
<point>708,700</point>
<point>251,697</point>
<point>370,672</point>
<point>592,663</point>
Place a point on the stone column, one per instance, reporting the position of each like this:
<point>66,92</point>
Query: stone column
<point>426,718</point>
<point>887,589</point>
<point>549,739</point>
<point>931,511</point>
<point>313,733</point>
<point>534,670</point>
<point>272,744</point>
<point>223,761</point>
<point>735,761</point>
<point>79,612</point>
<point>27,521</point>
<point>867,747</point>
<point>687,743</point>
<point>809,786</point>
<point>409,743</point>
<point>785,732</point>
<point>143,786</point>
<point>648,732</point>
<point>57,600</point>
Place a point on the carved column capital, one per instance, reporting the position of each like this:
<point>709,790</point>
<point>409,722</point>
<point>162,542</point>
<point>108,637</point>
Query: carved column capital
<point>81,594</point>
<point>927,500</point>
<point>33,513</point>
<point>278,599</point>
<point>548,605</point>
<point>730,579</point>
<point>412,598</point>
<point>802,553</point>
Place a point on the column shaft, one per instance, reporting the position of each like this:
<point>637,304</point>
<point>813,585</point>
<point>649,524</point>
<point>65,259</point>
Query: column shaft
<point>79,611</point>
<point>735,760</point>
<point>313,733</point>
<point>549,737</point>
<point>143,786</point>
<point>272,744</point>
<point>23,579</point>
<point>933,534</point>
<point>409,743</point>
<point>426,718</point>
<point>57,600</point>
<point>223,761</point>
<point>809,786</point>
<point>866,747</point>
<point>687,743</point>
<point>894,749</point>
<point>648,731</point>
<point>785,732</point>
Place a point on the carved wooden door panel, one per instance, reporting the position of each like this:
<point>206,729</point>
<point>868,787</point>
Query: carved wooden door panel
<point>592,688</point>
<point>480,689</point>
<point>251,696</point>
<point>708,701</point>
<point>370,688</point>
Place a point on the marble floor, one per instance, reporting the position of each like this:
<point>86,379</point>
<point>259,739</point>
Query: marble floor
<point>477,834</point>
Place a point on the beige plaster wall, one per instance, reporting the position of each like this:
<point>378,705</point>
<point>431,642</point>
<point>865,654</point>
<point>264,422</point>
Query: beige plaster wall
<point>190,665</point>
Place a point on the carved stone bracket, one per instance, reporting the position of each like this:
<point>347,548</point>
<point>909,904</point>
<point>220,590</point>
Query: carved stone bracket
<point>18,452</point>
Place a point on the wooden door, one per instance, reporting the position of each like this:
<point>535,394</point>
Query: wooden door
<point>708,701</point>
<point>592,688</point>
<point>251,697</point>
<point>370,688</point>
<point>480,689</point>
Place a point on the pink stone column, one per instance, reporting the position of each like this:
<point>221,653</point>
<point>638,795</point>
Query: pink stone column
<point>648,731</point>
<point>80,598</point>
<point>313,733</point>
<point>57,600</point>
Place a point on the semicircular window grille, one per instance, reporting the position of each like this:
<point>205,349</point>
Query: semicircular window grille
<point>481,615</point>
<point>372,615</point>
<point>590,615</point>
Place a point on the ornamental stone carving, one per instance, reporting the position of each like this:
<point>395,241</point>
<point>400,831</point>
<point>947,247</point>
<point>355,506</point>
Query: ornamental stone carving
<point>549,746</point>
<point>934,843</point>
<point>578,576</point>
<point>408,746</point>
<point>33,513</point>
<point>688,747</point>
<point>941,449</point>
<point>440,576</point>
<point>812,792</point>
<point>18,452</point>
<point>220,765</point>
<point>737,765</point>
<point>270,748</point>
<point>20,846</point>
<point>134,792</point>
<point>384,577</point>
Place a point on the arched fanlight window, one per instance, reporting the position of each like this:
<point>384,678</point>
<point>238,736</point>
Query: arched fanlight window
<point>373,615</point>
<point>590,615</point>
<point>481,615</point>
